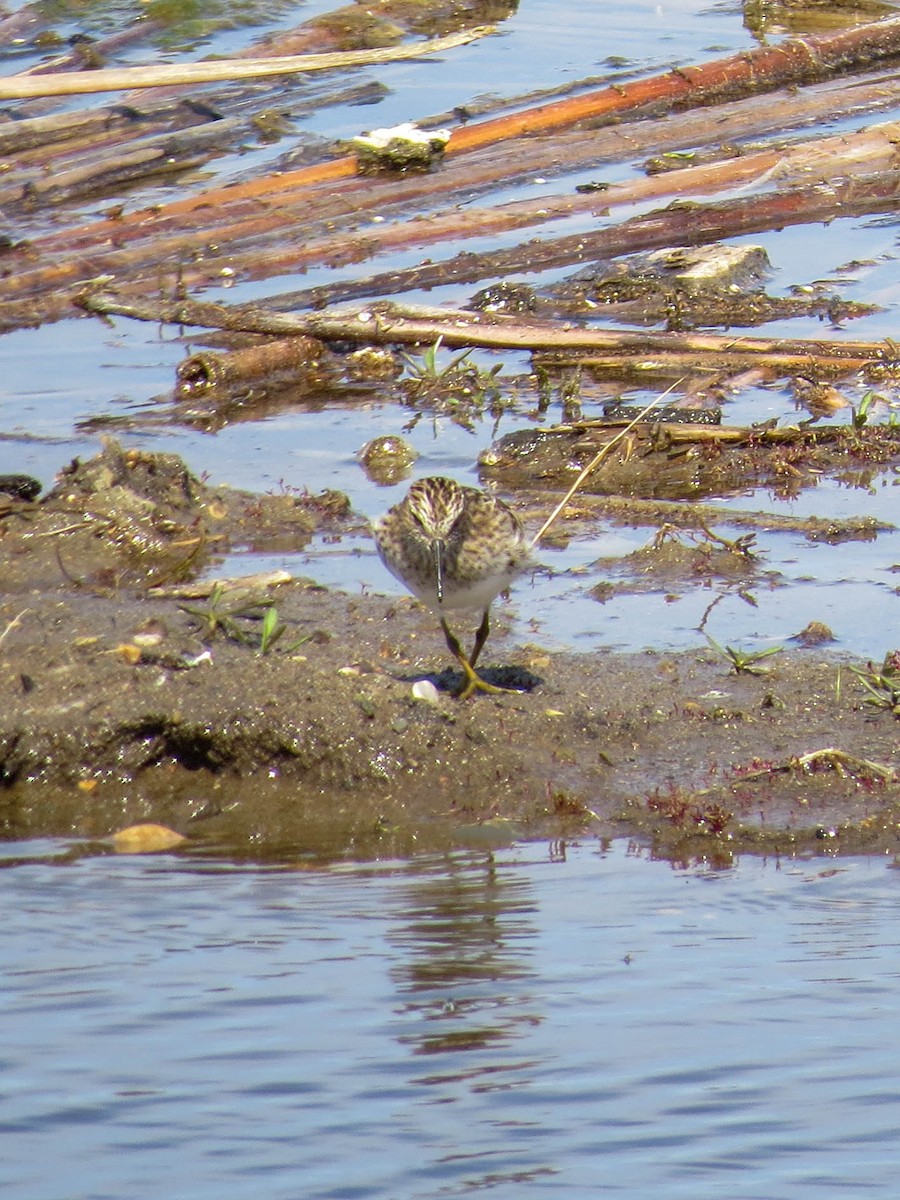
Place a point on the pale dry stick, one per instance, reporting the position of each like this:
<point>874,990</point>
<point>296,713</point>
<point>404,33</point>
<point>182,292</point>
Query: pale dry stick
<point>461,328</point>
<point>831,755</point>
<point>65,529</point>
<point>25,87</point>
<point>840,758</point>
<point>14,623</point>
<point>599,457</point>
<point>204,588</point>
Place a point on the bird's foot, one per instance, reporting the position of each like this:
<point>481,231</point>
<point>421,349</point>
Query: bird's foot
<point>472,682</point>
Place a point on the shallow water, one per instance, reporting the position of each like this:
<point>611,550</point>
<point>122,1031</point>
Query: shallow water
<point>54,379</point>
<point>543,1021</point>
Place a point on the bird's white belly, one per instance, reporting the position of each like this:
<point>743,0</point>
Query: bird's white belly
<point>477,594</point>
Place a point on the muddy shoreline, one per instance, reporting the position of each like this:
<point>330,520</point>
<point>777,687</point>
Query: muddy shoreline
<point>128,703</point>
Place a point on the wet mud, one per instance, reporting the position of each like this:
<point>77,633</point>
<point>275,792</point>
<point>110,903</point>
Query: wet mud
<point>686,461</point>
<point>274,718</point>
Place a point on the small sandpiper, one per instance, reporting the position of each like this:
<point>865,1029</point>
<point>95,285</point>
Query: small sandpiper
<point>454,547</point>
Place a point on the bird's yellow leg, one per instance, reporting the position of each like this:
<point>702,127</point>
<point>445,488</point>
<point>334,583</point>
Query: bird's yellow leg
<point>473,681</point>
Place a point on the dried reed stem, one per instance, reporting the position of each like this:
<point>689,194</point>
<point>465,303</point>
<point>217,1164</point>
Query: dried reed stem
<point>599,457</point>
<point>24,87</point>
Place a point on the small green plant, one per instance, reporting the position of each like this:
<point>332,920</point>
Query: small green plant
<point>570,394</point>
<point>272,629</point>
<point>235,613</point>
<point>745,662</point>
<point>220,613</point>
<point>544,387</point>
<point>426,369</point>
<point>460,389</point>
<point>882,684</point>
<point>859,414</point>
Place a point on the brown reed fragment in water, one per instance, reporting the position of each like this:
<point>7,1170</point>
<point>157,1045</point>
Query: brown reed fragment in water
<point>494,160</point>
<point>165,153</point>
<point>678,224</point>
<point>819,159</point>
<point>171,232</point>
<point>764,69</point>
<point>209,369</point>
<point>868,44</point>
<point>660,363</point>
<point>685,224</point>
<point>18,139</point>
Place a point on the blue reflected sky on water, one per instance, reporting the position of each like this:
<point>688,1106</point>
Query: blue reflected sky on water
<point>523,1023</point>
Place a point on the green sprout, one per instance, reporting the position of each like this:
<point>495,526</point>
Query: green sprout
<point>272,629</point>
<point>882,684</point>
<point>460,389</point>
<point>745,662</point>
<point>233,612</point>
<point>426,368</point>
<point>220,613</point>
<point>859,414</point>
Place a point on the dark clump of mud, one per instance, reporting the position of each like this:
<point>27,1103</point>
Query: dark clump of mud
<point>694,460</point>
<point>275,717</point>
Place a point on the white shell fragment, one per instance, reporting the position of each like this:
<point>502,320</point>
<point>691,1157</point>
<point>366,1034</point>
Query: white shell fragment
<point>424,689</point>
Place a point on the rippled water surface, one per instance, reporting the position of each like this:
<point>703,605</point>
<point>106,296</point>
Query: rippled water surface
<point>539,1022</point>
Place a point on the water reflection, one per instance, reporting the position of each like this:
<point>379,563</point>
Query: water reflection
<point>464,937</point>
<point>522,1022</point>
